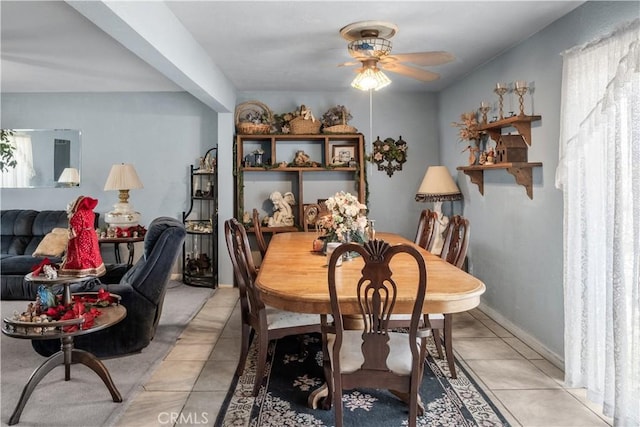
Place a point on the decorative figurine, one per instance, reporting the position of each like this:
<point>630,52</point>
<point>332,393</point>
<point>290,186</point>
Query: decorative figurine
<point>283,214</point>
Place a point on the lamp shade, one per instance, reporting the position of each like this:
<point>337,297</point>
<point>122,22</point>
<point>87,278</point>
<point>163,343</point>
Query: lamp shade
<point>69,176</point>
<point>370,77</point>
<point>122,177</point>
<point>438,186</point>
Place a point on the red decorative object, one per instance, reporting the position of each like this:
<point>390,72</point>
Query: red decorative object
<point>83,306</point>
<point>37,270</point>
<point>83,252</point>
<point>135,231</point>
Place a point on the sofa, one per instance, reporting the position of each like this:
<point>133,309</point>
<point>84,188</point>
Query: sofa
<point>22,230</point>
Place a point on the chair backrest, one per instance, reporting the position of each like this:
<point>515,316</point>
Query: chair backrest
<point>426,229</point>
<point>310,216</point>
<point>456,241</point>
<point>376,292</point>
<point>162,245</point>
<point>243,268</point>
<point>257,229</point>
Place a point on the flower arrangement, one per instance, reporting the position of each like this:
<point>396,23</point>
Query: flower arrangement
<point>346,219</point>
<point>337,115</point>
<point>253,118</point>
<point>282,121</point>
<point>468,127</point>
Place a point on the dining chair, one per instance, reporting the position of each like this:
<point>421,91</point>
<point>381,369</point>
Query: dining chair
<point>257,230</point>
<point>426,229</point>
<point>454,251</point>
<point>310,216</point>
<point>268,323</point>
<point>374,356</point>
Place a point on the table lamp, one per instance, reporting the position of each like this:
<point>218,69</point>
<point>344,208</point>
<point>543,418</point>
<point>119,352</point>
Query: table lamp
<point>438,186</point>
<point>122,177</point>
<point>70,177</point>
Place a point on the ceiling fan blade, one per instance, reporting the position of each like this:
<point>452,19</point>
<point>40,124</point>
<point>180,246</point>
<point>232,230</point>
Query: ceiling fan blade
<point>423,59</point>
<point>349,64</point>
<point>414,73</point>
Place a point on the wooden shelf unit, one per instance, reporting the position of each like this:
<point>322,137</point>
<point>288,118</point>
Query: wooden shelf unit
<point>521,123</point>
<point>522,171</point>
<point>270,144</point>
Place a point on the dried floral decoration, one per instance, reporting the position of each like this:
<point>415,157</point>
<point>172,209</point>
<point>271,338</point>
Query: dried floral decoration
<point>468,127</point>
<point>337,115</point>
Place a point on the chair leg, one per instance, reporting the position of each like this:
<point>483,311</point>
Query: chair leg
<point>436,338</point>
<point>413,407</point>
<point>244,347</point>
<point>302,348</point>
<point>337,403</point>
<point>261,363</point>
<point>448,345</point>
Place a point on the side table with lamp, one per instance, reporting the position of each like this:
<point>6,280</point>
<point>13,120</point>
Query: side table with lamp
<point>438,186</point>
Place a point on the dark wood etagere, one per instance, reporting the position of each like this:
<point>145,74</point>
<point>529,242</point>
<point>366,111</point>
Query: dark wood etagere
<point>200,249</point>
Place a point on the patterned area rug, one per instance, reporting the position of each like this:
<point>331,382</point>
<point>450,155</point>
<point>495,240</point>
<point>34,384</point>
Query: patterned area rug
<point>289,379</point>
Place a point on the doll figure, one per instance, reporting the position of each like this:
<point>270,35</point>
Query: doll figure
<point>83,256</point>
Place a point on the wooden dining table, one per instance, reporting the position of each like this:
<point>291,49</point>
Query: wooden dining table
<point>294,278</point>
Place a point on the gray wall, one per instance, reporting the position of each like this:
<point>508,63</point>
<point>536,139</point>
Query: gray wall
<point>516,243</point>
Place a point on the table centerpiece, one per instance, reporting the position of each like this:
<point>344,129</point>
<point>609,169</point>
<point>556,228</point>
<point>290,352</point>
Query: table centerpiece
<point>345,220</point>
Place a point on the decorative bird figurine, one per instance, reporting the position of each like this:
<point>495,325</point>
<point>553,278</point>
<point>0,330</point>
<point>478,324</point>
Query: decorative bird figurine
<point>47,298</point>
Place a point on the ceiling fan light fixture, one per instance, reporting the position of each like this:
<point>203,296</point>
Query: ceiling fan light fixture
<point>370,47</point>
<point>370,78</point>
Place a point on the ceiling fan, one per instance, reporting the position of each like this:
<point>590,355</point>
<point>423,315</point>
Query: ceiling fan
<point>369,44</point>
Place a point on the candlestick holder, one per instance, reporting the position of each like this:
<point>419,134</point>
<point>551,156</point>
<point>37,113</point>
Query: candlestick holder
<point>501,89</point>
<point>521,89</point>
<point>484,109</point>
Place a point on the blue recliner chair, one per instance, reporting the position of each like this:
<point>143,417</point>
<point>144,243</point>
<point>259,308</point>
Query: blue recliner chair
<point>142,289</point>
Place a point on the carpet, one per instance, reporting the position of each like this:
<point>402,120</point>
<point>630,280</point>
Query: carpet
<point>289,379</point>
<point>84,400</point>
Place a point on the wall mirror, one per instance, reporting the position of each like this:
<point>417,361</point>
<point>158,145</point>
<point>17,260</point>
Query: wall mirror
<point>44,158</point>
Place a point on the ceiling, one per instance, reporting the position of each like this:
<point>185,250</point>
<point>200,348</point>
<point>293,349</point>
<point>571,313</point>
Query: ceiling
<point>261,45</point>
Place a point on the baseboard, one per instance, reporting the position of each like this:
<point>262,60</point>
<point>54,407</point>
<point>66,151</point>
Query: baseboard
<point>523,336</point>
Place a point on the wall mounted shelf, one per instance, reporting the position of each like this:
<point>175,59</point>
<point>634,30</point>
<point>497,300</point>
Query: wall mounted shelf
<point>521,171</point>
<point>521,123</point>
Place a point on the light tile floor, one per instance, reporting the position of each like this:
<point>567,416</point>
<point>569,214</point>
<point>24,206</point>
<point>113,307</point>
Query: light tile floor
<point>190,385</point>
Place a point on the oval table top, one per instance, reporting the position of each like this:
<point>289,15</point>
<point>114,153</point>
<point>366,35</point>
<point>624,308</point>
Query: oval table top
<point>292,277</point>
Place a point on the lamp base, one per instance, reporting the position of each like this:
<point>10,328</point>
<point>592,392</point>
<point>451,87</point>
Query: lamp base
<point>122,216</point>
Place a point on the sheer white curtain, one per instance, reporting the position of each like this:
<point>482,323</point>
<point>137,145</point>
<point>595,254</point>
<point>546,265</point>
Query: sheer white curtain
<point>599,173</point>
<point>19,176</point>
